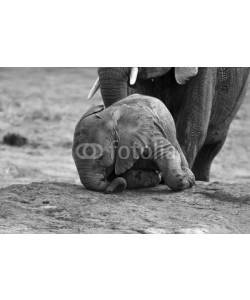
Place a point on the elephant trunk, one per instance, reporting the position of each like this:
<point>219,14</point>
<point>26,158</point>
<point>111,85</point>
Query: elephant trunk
<point>96,181</point>
<point>114,84</point>
<point>91,179</point>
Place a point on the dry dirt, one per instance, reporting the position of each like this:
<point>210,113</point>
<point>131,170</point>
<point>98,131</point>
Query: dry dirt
<point>43,105</point>
<point>51,207</point>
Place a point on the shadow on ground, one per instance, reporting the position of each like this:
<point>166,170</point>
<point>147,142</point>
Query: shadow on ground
<point>52,207</point>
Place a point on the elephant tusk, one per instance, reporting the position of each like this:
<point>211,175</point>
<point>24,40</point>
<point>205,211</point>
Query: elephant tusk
<point>94,89</point>
<point>133,75</point>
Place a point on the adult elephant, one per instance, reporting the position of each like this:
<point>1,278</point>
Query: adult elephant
<point>202,101</point>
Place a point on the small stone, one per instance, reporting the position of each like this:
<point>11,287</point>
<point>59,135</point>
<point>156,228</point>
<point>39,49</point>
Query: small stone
<point>13,139</point>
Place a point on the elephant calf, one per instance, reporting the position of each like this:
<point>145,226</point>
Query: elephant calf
<point>129,144</point>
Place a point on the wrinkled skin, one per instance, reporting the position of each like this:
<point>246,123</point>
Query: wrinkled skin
<point>202,108</point>
<point>141,126</point>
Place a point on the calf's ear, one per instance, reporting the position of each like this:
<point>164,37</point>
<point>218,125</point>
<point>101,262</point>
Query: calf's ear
<point>184,74</point>
<point>93,110</point>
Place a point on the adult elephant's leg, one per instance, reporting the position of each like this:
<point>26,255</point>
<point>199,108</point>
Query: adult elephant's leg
<point>230,92</point>
<point>205,157</point>
<point>194,113</point>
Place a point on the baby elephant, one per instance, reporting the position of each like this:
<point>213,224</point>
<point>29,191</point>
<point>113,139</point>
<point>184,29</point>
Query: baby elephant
<point>129,144</point>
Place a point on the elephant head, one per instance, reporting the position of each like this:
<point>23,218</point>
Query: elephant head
<point>114,82</point>
<point>93,151</point>
<point>98,136</point>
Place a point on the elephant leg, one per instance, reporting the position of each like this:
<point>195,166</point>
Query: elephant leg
<point>231,88</point>
<point>205,157</point>
<point>175,176</point>
<point>193,117</point>
<point>141,178</point>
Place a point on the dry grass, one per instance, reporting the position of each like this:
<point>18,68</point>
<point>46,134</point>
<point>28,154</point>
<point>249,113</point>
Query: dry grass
<point>42,104</point>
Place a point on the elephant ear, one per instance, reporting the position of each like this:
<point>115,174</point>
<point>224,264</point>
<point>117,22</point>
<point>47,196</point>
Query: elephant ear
<point>93,110</point>
<point>184,74</point>
<point>135,133</point>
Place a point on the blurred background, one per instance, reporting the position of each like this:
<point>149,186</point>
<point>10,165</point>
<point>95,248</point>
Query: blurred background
<point>39,108</point>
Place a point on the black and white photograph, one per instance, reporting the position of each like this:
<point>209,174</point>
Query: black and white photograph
<point>125,150</point>
<point>117,181</point>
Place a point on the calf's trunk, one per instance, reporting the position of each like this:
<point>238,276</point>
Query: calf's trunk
<point>94,180</point>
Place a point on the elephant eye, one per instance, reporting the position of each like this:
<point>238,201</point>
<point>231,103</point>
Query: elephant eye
<point>98,117</point>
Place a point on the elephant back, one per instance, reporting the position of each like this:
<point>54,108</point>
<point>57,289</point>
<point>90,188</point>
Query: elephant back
<point>156,109</point>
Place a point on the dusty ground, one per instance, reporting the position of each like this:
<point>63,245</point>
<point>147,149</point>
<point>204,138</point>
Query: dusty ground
<point>51,207</point>
<point>44,104</point>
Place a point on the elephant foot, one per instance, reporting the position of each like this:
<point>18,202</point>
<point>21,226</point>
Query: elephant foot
<point>189,176</point>
<point>117,185</point>
<point>141,178</point>
<point>183,180</point>
<point>176,176</point>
